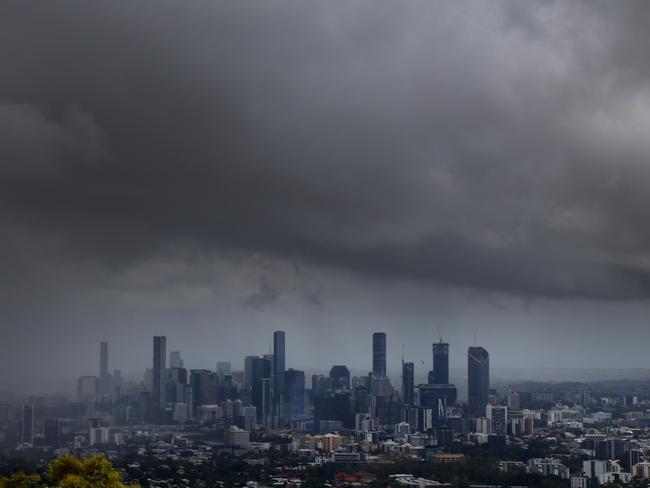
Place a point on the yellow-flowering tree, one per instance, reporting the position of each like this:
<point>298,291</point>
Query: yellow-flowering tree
<point>71,472</point>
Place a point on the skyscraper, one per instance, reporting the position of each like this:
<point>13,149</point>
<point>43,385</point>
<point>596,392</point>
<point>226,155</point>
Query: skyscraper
<point>440,363</point>
<point>478,380</point>
<point>205,386</point>
<point>248,372</point>
<point>278,371</point>
<point>498,417</point>
<point>408,373</point>
<point>175,360</point>
<point>104,375</point>
<point>339,378</point>
<point>379,354</point>
<point>261,387</point>
<point>103,359</point>
<point>294,393</point>
<point>159,374</point>
<point>27,425</point>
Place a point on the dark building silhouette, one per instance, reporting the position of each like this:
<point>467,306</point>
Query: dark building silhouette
<point>159,365</point>
<point>52,432</point>
<point>205,387</point>
<point>294,393</point>
<point>27,425</point>
<point>104,375</point>
<point>440,374</point>
<point>339,378</point>
<point>279,356</point>
<point>438,398</point>
<point>261,387</point>
<point>176,385</point>
<point>478,380</point>
<point>248,372</point>
<point>335,406</point>
<point>379,354</point>
<point>408,374</point>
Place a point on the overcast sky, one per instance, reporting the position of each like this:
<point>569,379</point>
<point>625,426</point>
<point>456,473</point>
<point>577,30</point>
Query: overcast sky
<point>213,171</point>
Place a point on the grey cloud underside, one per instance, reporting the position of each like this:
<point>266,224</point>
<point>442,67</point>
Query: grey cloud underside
<point>496,146</point>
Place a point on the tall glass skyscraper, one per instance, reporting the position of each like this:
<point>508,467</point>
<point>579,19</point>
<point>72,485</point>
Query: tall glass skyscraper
<point>478,380</point>
<point>408,373</point>
<point>261,387</point>
<point>104,376</point>
<point>294,395</point>
<point>103,359</point>
<point>440,363</point>
<point>159,371</point>
<point>278,370</point>
<point>379,354</point>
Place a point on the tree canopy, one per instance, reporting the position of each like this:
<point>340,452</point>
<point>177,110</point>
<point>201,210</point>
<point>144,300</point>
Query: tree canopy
<point>70,472</point>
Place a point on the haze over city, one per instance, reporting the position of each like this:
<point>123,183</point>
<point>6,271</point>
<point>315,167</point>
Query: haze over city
<point>215,171</point>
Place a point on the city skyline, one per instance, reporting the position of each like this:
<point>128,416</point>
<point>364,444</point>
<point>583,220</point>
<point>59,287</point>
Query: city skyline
<point>303,244</point>
<point>482,167</point>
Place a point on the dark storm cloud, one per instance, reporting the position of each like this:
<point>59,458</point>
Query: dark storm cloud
<point>498,146</point>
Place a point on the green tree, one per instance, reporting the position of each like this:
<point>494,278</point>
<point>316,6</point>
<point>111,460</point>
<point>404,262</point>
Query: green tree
<point>20,480</point>
<point>71,472</point>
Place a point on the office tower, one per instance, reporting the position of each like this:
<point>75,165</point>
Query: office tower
<point>86,388</point>
<point>261,388</point>
<point>175,360</point>
<point>440,363</point>
<point>159,367</point>
<point>514,401</point>
<point>104,375</point>
<point>103,359</point>
<point>319,385</point>
<point>248,372</point>
<point>438,398</point>
<point>223,368</point>
<point>294,393</point>
<point>52,432</point>
<point>27,425</point>
<point>225,379</point>
<point>335,406</point>
<point>498,417</point>
<point>176,383</point>
<point>408,379</point>
<point>250,418</point>
<point>205,385</point>
<point>278,371</point>
<point>478,380</point>
<point>339,378</point>
<point>379,354</point>
<point>227,411</point>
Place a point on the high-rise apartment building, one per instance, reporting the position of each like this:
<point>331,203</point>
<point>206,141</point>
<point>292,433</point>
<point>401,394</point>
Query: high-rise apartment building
<point>478,380</point>
<point>27,424</point>
<point>379,354</point>
<point>175,360</point>
<point>339,377</point>
<point>440,370</point>
<point>205,386</point>
<point>408,379</point>
<point>261,387</point>
<point>248,372</point>
<point>294,393</point>
<point>279,357</point>
<point>104,386</point>
<point>159,372</point>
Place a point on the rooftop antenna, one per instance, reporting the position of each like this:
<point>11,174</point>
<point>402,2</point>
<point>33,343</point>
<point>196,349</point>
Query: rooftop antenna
<point>474,339</point>
<point>271,345</point>
<point>439,334</point>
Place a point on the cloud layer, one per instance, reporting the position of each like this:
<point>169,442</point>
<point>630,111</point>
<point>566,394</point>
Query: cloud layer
<point>489,146</point>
